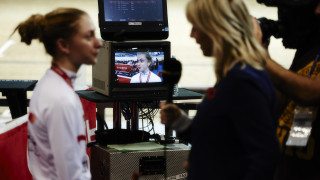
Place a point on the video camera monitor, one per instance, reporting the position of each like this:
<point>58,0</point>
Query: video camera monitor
<point>131,69</point>
<point>133,20</point>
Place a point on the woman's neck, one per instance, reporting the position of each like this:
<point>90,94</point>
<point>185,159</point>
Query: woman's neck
<point>145,72</point>
<point>66,64</point>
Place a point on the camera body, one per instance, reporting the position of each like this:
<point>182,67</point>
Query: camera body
<point>296,23</point>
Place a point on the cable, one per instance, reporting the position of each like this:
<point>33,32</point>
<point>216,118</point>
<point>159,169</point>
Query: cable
<point>147,111</point>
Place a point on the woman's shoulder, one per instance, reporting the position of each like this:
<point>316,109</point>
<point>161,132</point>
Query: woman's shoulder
<point>52,86</point>
<point>155,75</point>
<point>246,76</point>
<point>246,71</point>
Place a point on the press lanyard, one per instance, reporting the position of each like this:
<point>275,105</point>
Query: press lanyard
<point>147,78</point>
<point>314,64</point>
<point>302,120</point>
<point>63,74</point>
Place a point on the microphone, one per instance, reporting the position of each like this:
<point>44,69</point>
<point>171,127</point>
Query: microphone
<point>171,75</point>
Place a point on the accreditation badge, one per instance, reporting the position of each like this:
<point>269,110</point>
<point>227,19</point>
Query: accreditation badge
<point>301,126</point>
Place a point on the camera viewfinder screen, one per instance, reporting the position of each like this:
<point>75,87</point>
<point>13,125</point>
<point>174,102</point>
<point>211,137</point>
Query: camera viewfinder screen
<point>139,66</point>
<point>133,10</point>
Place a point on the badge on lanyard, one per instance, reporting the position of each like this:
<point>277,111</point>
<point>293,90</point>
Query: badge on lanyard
<point>301,126</point>
<point>302,120</point>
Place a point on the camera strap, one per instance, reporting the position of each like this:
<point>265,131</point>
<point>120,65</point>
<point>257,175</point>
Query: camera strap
<point>302,120</point>
<point>314,64</point>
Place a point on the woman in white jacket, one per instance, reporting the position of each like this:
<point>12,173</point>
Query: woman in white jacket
<point>56,128</point>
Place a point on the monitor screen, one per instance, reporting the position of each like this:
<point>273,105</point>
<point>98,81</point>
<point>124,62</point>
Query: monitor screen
<point>139,65</point>
<point>134,10</point>
<point>133,20</point>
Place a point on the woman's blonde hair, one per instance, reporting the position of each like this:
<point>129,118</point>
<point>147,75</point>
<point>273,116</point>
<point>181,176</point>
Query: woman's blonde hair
<point>48,28</point>
<point>229,25</point>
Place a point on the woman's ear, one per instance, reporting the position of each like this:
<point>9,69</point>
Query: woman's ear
<point>63,46</point>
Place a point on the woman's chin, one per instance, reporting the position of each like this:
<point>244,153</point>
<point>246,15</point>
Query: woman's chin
<point>207,53</point>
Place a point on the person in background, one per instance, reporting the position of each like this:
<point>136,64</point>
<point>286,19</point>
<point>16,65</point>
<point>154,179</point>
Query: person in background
<point>56,128</point>
<point>298,87</point>
<point>144,61</point>
<point>233,134</point>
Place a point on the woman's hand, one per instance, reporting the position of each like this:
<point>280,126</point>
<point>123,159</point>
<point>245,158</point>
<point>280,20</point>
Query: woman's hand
<point>169,113</point>
<point>135,175</point>
<point>257,30</point>
<point>258,33</point>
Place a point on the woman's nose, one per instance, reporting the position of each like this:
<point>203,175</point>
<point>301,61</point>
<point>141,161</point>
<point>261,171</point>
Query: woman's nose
<point>98,43</point>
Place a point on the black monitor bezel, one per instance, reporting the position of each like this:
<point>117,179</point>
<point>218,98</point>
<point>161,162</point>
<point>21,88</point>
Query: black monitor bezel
<point>121,31</point>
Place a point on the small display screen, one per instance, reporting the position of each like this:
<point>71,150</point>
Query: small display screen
<point>139,66</point>
<point>133,10</point>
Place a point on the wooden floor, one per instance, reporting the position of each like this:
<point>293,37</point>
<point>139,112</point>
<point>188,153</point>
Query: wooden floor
<point>19,61</point>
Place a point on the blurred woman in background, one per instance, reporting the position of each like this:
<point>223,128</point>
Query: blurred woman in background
<point>56,128</point>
